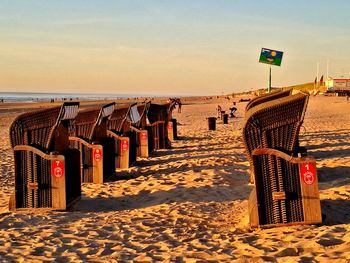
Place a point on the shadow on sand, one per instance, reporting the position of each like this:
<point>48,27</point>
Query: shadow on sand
<point>146,198</point>
<point>335,212</point>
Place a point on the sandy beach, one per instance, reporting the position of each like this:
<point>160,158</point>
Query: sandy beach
<point>188,203</point>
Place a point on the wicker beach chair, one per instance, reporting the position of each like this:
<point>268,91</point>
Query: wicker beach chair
<point>285,190</point>
<point>88,134</point>
<point>172,122</point>
<point>267,97</point>
<point>275,124</point>
<point>47,171</point>
<point>119,129</point>
<point>138,122</point>
<point>159,116</point>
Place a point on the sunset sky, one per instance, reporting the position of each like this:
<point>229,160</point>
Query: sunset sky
<point>168,47</point>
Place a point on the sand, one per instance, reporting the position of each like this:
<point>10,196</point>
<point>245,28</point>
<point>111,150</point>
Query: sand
<point>189,203</point>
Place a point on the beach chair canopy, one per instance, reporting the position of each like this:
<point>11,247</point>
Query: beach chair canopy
<point>275,124</point>
<point>134,116</point>
<point>37,128</point>
<point>160,112</point>
<point>118,118</point>
<point>138,115</point>
<point>267,97</point>
<point>88,120</point>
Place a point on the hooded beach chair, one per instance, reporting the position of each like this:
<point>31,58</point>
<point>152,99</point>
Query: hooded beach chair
<point>88,134</point>
<point>275,124</point>
<point>47,171</point>
<point>172,123</point>
<point>280,196</point>
<point>119,128</point>
<point>138,122</point>
<point>159,116</point>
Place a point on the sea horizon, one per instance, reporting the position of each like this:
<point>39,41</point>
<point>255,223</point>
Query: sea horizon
<point>44,96</point>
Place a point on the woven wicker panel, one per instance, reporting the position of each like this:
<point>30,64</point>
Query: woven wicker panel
<point>117,119</point>
<point>85,123</point>
<point>267,97</point>
<point>88,121</point>
<point>110,153</point>
<point>132,135</point>
<point>155,132</point>
<point>275,124</point>
<point>31,168</point>
<point>162,135</point>
<point>274,174</point>
<point>34,128</point>
<point>150,138</point>
<point>158,112</point>
<point>73,180</point>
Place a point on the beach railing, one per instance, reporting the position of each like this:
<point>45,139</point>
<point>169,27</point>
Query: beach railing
<point>285,190</point>
<point>88,134</point>
<point>47,171</point>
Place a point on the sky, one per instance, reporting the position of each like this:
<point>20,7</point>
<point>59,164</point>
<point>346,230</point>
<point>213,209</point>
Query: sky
<point>163,47</point>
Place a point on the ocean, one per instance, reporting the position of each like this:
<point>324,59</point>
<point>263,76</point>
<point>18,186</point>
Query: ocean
<point>34,97</point>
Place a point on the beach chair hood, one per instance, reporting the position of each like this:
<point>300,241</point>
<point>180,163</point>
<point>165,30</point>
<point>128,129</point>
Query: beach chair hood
<point>37,127</point>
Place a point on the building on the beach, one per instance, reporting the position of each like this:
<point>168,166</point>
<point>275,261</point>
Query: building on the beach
<point>341,86</point>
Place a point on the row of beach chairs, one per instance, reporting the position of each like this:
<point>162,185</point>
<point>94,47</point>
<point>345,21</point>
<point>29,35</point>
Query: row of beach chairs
<point>285,180</point>
<point>58,148</point>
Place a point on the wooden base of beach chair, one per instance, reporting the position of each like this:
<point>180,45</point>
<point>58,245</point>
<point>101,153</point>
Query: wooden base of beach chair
<point>44,181</point>
<point>122,161</point>
<point>286,190</point>
<point>170,131</point>
<point>159,135</point>
<point>91,156</point>
<point>142,142</point>
<point>122,145</point>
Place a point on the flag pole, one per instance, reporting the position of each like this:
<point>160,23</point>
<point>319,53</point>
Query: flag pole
<point>269,87</point>
<point>318,69</point>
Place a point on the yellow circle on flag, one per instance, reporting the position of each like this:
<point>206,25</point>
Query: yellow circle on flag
<point>273,53</point>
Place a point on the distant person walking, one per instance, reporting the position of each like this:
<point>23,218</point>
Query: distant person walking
<point>179,106</point>
<point>218,110</point>
<point>232,112</point>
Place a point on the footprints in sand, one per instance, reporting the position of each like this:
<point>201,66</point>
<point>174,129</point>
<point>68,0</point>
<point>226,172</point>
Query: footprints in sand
<point>187,204</point>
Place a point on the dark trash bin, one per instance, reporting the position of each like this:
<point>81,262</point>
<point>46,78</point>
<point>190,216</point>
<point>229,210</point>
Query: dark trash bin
<point>174,128</point>
<point>212,123</point>
<point>222,114</point>
<point>225,119</point>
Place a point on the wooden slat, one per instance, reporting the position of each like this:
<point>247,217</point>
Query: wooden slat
<point>58,186</point>
<point>143,144</point>
<point>97,164</point>
<point>309,192</point>
<point>253,209</point>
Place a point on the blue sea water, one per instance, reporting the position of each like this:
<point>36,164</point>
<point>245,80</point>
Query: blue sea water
<point>33,97</point>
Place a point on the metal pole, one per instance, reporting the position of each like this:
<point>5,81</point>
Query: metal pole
<point>269,87</point>
<point>318,70</point>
